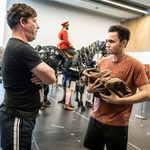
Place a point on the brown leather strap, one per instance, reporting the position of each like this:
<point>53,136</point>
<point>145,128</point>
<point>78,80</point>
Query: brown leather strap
<point>68,54</point>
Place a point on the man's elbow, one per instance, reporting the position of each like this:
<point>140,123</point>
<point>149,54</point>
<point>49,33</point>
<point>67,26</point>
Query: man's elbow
<point>50,80</point>
<point>148,97</point>
<point>148,92</point>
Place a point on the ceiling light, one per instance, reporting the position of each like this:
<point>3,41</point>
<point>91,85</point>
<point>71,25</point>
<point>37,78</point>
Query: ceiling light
<point>125,6</point>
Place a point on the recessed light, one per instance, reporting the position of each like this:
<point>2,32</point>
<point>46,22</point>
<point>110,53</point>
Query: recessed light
<point>96,7</point>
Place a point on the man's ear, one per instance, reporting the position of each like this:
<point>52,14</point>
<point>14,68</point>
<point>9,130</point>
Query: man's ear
<point>22,21</point>
<point>124,43</point>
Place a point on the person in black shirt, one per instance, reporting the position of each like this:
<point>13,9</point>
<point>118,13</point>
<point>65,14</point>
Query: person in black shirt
<point>23,72</point>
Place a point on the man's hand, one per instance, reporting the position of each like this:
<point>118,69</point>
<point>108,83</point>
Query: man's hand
<point>71,46</point>
<point>36,80</point>
<point>92,88</point>
<point>113,98</point>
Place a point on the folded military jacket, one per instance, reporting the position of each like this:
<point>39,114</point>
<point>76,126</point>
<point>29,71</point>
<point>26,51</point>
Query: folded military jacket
<point>106,81</point>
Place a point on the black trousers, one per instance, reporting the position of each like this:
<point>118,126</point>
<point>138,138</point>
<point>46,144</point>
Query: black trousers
<point>16,133</point>
<point>99,135</point>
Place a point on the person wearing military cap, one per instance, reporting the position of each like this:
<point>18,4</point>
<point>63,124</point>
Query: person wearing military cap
<point>64,43</point>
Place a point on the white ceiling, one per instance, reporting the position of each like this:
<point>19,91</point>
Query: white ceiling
<point>101,8</point>
<point>143,2</point>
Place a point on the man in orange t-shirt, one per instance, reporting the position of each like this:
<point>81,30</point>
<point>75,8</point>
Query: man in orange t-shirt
<point>64,43</point>
<point>108,124</point>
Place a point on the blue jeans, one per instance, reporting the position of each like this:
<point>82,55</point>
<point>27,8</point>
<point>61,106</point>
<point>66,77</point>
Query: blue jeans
<point>16,133</point>
<point>66,81</point>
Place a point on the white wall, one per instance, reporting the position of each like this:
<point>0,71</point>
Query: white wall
<point>85,27</point>
<point>2,19</point>
<point>143,57</point>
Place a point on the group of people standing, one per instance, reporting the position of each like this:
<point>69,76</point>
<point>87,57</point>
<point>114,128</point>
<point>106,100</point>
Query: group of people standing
<point>24,72</point>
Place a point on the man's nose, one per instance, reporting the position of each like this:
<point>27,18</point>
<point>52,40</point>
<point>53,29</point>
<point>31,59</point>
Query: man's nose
<point>38,27</point>
<point>107,44</point>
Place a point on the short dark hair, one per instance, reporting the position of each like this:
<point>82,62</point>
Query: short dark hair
<point>17,11</point>
<point>123,32</point>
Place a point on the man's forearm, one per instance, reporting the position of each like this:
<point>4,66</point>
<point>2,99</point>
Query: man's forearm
<point>136,98</point>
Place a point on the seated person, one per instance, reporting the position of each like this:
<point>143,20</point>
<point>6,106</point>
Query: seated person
<point>64,43</point>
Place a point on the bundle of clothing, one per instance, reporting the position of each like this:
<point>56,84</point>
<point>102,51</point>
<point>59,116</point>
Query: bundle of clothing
<point>106,81</point>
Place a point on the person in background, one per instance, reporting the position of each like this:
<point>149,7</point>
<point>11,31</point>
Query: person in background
<point>45,102</point>
<point>89,99</point>
<point>23,72</point>
<point>65,46</point>
<point>66,83</point>
<point>64,43</point>
<point>108,124</point>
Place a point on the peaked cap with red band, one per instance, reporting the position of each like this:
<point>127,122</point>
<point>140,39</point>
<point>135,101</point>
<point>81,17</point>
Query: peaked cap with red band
<point>65,23</point>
